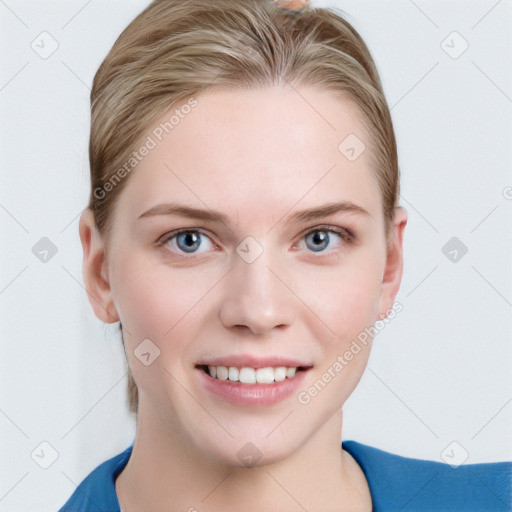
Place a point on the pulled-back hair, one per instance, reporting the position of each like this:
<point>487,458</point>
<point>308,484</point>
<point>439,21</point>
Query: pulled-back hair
<point>175,50</point>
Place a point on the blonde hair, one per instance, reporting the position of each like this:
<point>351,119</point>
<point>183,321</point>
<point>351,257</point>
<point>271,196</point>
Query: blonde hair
<point>177,49</point>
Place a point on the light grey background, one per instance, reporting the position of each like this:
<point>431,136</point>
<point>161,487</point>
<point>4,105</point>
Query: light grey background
<point>439,372</point>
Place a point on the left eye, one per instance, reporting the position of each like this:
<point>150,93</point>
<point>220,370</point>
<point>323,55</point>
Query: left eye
<point>189,241</point>
<point>320,239</point>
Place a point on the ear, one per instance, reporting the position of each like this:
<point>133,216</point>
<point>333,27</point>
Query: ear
<point>393,270</point>
<point>94,269</point>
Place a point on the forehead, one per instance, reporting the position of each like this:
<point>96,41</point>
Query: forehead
<point>273,147</point>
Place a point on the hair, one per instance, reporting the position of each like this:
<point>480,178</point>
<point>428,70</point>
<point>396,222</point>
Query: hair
<point>176,50</point>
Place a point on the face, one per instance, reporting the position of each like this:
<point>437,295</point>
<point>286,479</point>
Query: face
<point>247,239</point>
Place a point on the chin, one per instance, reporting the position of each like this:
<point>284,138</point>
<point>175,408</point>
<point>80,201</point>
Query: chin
<point>249,450</point>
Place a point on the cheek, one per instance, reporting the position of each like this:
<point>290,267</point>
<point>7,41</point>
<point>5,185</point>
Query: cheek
<point>344,299</point>
<point>153,300</point>
<point>166,306</point>
<point>170,307</point>
<point>348,305</point>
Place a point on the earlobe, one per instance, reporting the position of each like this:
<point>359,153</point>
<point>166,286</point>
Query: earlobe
<point>392,275</point>
<point>94,269</point>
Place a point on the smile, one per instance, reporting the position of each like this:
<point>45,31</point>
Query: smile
<point>247,375</point>
<point>246,386</point>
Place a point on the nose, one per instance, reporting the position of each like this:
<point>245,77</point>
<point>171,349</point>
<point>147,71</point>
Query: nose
<point>255,298</point>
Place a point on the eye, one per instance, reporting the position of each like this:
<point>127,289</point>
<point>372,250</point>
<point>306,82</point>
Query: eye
<point>193,241</point>
<point>320,239</point>
<point>187,241</point>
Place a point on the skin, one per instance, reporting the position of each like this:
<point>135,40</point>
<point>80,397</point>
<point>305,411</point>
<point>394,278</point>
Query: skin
<point>257,156</point>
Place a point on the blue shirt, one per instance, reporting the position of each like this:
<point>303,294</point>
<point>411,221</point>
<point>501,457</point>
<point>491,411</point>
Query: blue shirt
<point>396,484</point>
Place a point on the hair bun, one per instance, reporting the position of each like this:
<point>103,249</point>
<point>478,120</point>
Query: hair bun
<point>292,5</point>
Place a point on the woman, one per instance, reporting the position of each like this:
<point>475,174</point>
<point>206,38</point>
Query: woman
<point>244,229</point>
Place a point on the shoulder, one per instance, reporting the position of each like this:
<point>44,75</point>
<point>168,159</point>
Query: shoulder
<point>97,493</point>
<point>407,484</point>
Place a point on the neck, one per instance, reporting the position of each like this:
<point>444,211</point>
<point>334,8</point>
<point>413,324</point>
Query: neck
<point>163,470</point>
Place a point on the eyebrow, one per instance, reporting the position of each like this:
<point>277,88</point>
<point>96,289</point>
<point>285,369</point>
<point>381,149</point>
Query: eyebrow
<point>214,216</point>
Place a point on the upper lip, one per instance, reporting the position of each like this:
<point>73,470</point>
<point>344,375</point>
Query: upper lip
<point>249,361</point>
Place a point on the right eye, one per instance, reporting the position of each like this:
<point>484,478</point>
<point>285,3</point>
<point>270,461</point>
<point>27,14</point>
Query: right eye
<point>188,241</point>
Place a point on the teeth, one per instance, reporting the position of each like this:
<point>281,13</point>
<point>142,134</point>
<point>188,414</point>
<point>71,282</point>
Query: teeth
<point>280,373</point>
<point>265,375</point>
<point>233,373</point>
<point>222,373</point>
<point>251,375</point>
<point>247,376</point>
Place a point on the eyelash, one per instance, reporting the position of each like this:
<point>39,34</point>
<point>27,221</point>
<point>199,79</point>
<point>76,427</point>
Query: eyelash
<point>346,235</point>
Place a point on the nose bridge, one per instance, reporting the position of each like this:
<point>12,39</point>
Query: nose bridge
<point>256,280</point>
<point>255,297</point>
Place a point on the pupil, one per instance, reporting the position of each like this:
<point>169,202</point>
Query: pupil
<point>320,237</point>
<point>190,241</point>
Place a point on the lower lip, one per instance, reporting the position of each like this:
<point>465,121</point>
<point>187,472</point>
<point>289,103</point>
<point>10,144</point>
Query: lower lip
<point>251,395</point>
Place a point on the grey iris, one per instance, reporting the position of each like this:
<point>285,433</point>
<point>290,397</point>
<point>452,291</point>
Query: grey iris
<point>318,237</point>
<point>189,241</point>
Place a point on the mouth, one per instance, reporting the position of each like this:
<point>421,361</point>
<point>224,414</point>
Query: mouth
<point>251,381</point>
<point>251,376</point>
